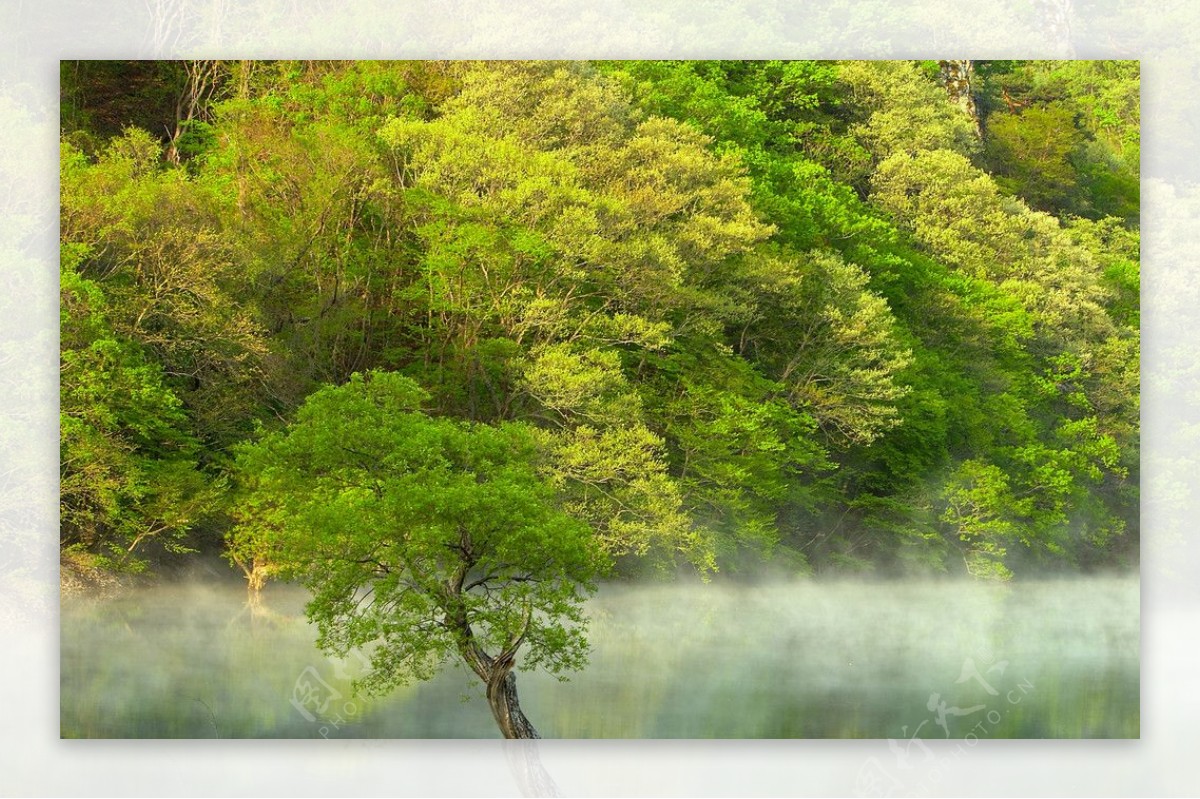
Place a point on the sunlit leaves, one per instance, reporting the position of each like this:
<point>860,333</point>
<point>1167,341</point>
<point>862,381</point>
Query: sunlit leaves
<point>783,310</point>
<point>902,111</point>
<point>154,242</point>
<point>128,482</point>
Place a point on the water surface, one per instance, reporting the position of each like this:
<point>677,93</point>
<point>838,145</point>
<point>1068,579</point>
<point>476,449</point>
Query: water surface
<point>812,659</point>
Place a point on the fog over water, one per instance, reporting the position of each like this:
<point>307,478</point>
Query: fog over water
<point>809,659</point>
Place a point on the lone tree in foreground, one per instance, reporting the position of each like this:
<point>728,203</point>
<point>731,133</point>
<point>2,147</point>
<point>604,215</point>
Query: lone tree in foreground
<point>424,538</point>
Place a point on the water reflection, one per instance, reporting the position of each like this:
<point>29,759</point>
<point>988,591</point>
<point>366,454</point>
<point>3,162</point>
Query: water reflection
<point>525,763</point>
<point>807,660</point>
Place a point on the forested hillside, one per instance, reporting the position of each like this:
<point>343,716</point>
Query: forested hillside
<point>741,318</point>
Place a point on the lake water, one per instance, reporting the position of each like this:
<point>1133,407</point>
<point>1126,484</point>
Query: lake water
<point>812,659</point>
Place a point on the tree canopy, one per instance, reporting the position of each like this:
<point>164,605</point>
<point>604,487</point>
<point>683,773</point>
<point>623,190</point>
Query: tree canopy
<point>752,313</point>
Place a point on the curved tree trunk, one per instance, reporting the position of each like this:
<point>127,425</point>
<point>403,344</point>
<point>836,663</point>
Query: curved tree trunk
<point>502,696</point>
<point>496,671</point>
<point>256,578</point>
<point>257,571</point>
<point>497,675</point>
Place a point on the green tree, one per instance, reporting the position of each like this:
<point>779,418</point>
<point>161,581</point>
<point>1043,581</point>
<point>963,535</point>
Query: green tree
<point>1035,154</point>
<point>1077,120</point>
<point>157,244</point>
<point>572,239</point>
<point>421,538</point>
<point>771,312</point>
<point>831,342</point>
<point>127,466</point>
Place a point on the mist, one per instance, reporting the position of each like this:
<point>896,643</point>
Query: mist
<point>801,659</point>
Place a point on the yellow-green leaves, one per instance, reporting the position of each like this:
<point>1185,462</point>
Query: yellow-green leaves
<point>128,481</point>
<point>830,341</point>
<point>902,111</point>
<point>742,310</point>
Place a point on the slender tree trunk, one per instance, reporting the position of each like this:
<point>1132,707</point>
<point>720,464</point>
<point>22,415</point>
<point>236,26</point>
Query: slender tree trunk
<point>202,79</point>
<point>497,675</point>
<point>956,76</point>
<point>256,578</point>
<point>257,571</point>
<point>502,696</point>
<point>496,671</point>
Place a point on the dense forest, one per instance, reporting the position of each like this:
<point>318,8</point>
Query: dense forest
<point>732,318</point>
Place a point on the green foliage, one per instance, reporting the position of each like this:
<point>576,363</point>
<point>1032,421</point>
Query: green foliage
<point>744,314</point>
<point>553,217</point>
<point>127,475</point>
<point>741,452</point>
<point>901,110</point>
<point>154,242</point>
<point>837,353</point>
<point>1065,135</point>
<point>1036,150</point>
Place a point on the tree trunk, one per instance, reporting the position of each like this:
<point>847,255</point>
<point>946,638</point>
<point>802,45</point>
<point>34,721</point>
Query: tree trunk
<point>496,671</point>
<point>956,77</point>
<point>256,576</point>
<point>202,78</point>
<point>502,696</point>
